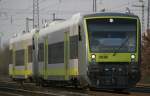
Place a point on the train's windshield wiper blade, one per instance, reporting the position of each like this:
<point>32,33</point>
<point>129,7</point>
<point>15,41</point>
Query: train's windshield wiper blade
<point>123,43</point>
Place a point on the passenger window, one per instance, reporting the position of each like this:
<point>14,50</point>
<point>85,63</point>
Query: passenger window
<point>41,52</point>
<point>30,53</point>
<point>74,47</point>
<point>19,57</point>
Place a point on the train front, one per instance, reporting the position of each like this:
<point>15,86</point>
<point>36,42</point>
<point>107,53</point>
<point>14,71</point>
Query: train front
<point>113,42</point>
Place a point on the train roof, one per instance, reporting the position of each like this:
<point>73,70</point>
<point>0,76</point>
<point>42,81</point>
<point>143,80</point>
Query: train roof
<point>54,26</point>
<point>57,25</point>
<point>23,36</point>
<point>110,14</point>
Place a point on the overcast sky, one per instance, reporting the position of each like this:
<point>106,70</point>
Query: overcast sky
<point>14,12</point>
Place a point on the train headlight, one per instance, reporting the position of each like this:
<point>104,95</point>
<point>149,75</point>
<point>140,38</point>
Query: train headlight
<point>93,56</point>
<point>111,20</point>
<point>132,56</point>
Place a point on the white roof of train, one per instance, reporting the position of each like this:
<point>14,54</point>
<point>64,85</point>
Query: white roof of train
<point>23,36</point>
<point>54,26</point>
<point>57,25</point>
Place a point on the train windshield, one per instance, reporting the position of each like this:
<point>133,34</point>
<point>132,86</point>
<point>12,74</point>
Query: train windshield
<point>112,35</point>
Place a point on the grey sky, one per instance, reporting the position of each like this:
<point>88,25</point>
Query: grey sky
<point>18,10</point>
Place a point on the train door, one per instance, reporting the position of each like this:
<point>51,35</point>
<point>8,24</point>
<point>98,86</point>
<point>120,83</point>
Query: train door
<point>82,55</point>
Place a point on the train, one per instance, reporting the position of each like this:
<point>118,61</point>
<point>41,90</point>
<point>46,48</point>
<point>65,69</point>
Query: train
<point>95,50</point>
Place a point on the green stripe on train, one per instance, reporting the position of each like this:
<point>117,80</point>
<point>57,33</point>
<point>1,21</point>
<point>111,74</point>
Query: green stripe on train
<point>25,73</point>
<point>62,72</point>
<point>108,57</point>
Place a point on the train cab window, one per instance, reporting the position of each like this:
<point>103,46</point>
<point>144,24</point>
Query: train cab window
<point>109,35</point>
<point>30,53</point>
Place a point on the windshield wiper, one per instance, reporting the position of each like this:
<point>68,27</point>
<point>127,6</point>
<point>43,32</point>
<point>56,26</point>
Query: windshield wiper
<point>124,42</point>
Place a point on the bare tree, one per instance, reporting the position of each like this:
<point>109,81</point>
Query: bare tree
<point>145,66</point>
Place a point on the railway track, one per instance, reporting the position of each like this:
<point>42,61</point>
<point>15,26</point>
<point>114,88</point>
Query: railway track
<point>22,92</point>
<point>29,89</point>
<point>140,89</point>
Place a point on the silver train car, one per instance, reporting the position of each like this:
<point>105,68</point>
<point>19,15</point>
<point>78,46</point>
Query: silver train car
<point>99,50</point>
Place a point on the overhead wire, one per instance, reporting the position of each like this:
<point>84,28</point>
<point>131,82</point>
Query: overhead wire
<point>128,4</point>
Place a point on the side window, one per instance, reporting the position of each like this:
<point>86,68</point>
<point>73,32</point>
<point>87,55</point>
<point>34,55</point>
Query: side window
<point>30,53</point>
<point>56,53</point>
<point>19,57</point>
<point>41,52</point>
<point>73,47</point>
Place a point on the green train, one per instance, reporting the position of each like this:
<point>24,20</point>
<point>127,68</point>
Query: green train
<point>98,50</point>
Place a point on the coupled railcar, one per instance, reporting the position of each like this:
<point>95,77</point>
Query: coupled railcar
<point>100,50</point>
<point>20,49</point>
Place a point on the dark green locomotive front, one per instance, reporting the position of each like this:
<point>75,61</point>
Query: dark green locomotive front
<point>113,43</point>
